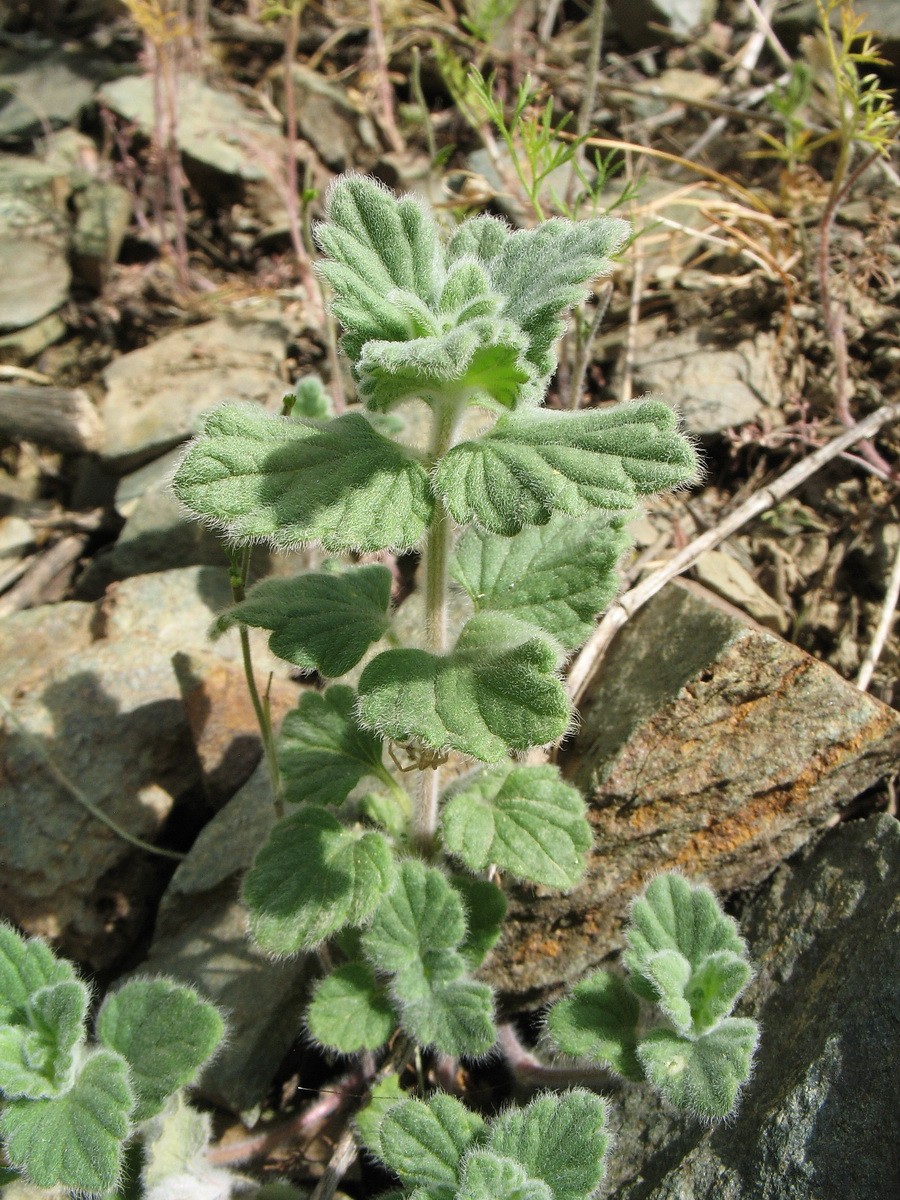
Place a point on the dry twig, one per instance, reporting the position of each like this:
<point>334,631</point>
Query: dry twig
<point>885,620</point>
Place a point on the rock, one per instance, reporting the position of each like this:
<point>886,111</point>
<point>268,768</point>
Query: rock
<point>819,1117</point>
<point>94,687</point>
<point>156,395</point>
<point>22,345</point>
<point>223,721</point>
<point>634,18</point>
<point>202,937</point>
<point>340,131</point>
<point>16,537</point>
<point>684,757</point>
<point>104,214</point>
<point>34,268</point>
<point>712,388</point>
<point>728,579</point>
<point>43,89</point>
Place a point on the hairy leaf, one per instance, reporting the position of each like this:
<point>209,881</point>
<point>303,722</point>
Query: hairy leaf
<point>456,1015</point>
<point>26,966</point>
<point>323,752</point>
<point>497,690</point>
<point>75,1140</point>
<point>480,359</point>
<point>481,238</point>
<point>310,399</point>
<point>173,1146</point>
<point>36,1054</point>
<point>669,973</point>
<point>423,1142</point>
<point>599,1021</point>
<point>341,483</point>
<point>701,1075</point>
<point>351,1011</point>
<point>485,906</point>
<point>384,1095</point>
<point>559,1139</point>
<point>487,1176</point>
<point>321,621</point>
<point>557,576</point>
<point>165,1033</point>
<point>525,820</point>
<point>530,464</point>
<point>675,914</point>
<point>715,986</point>
<point>421,915</point>
<point>311,878</point>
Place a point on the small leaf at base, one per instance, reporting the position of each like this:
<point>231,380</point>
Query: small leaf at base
<point>350,1011</point>
<point>702,1075</point>
<point>599,1021</point>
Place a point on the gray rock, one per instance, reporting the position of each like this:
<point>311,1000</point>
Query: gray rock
<point>43,89</point>
<point>340,131</point>
<point>104,214</point>
<point>709,745</point>
<point>819,1117</point>
<point>635,17</point>
<point>34,268</point>
<point>202,937</point>
<point>16,537</point>
<point>156,395</point>
<point>713,388</point>
<point>22,345</point>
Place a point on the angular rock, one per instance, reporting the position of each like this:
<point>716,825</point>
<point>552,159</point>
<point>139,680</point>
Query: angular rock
<point>340,131</point>
<point>709,746</point>
<point>156,395</point>
<point>22,345</point>
<point>43,89</point>
<point>202,937</point>
<point>634,18</point>
<point>819,1117</point>
<point>34,268</point>
<point>104,214</point>
<point>728,579</point>
<point>713,388</point>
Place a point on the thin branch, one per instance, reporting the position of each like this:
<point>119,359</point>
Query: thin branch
<point>587,662</point>
<point>883,628</point>
<point>41,573</point>
<point>763,24</point>
<point>583,357</point>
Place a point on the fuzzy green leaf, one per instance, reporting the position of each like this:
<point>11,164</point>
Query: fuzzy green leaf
<point>36,1055</point>
<point>496,691</point>
<point>388,811</point>
<point>557,576</point>
<point>481,359</point>
<point>341,483</point>
<point>384,1095</point>
<point>310,400</point>
<point>715,986</point>
<point>530,464</point>
<point>377,246</point>
<point>75,1140</point>
<point>26,966</point>
<point>599,1021</point>
<point>487,1176</point>
<point>675,914</point>
<point>481,238</point>
<point>323,752</point>
<point>526,820</point>
<point>669,973</point>
<point>561,1140</point>
<point>485,906</point>
<point>165,1033</point>
<point>544,271</point>
<point>703,1075</point>
<point>311,878</point>
<point>416,935</point>
<point>321,621</point>
<point>424,1143</point>
<point>173,1145</point>
<point>351,1010</point>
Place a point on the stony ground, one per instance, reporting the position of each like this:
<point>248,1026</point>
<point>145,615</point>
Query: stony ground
<point>146,276</point>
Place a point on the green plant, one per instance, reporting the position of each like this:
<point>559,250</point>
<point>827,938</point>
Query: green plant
<point>404,881</point>
<point>71,1106</point>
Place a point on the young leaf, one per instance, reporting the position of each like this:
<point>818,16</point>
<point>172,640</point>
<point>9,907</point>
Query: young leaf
<point>26,966</point>
<point>526,820</point>
<point>599,1021</point>
<point>323,752</point>
<point>481,238</point>
<point>561,1140</point>
<point>351,1011</point>
<point>390,812</point>
<point>310,400</point>
<point>497,690</point>
<point>377,245</point>
<point>311,878</point>
<point>715,986</point>
<point>669,973</point>
<point>75,1140</point>
<point>320,621</point>
<point>487,1176</point>
<point>36,1054</point>
<point>674,914</point>
<point>258,476</point>
<point>530,464</point>
<point>165,1033</point>
<point>485,906</point>
<point>702,1076</point>
<point>415,935</point>
<point>423,1142</point>
<point>173,1145</point>
<point>481,359</point>
<point>557,576</point>
<point>384,1095</point>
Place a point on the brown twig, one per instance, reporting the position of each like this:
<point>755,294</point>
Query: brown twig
<point>885,620</point>
<point>591,654</point>
<point>41,573</point>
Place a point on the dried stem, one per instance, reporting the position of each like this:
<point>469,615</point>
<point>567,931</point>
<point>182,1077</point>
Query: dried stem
<point>883,628</point>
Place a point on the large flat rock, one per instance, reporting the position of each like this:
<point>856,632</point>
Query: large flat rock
<point>710,746</point>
